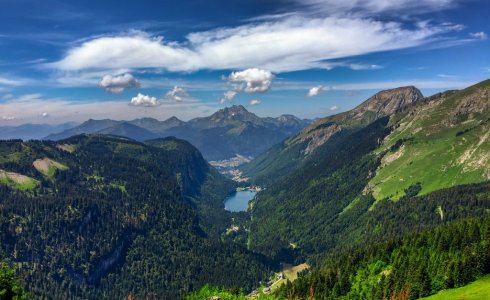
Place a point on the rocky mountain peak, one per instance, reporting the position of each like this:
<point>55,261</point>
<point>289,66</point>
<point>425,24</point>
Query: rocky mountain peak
<point>388,102</point>
<point>237,112</point>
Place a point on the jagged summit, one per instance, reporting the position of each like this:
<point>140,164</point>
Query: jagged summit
<point>235,112</point>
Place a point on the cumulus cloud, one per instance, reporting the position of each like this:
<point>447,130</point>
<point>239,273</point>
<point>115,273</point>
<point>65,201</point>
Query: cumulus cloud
<point>479,35</point>
<point>8,118</point>
<point>144,100</point>
<point>44,114</point>
<point>314,91</point>
<point>117,84</point>
<point>177,94</point>
<point>290,43</point>
<point>254,102</point>
<point>251,80</point>
<point>227,96</point>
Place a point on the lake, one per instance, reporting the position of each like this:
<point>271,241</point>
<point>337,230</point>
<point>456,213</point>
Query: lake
<point>238,201</point>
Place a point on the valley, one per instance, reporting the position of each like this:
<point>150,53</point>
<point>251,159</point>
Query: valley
<point>245,150</point>
<point>386,200</point>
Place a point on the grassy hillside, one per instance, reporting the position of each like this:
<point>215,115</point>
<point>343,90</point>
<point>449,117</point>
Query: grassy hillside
<point>477,290</point>
<point>442,142</point>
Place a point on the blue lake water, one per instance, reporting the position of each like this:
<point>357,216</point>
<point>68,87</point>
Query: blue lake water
<point>239,200</point>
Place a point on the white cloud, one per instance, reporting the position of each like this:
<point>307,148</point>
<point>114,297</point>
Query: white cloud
<point>13,81</point>
<point>314,91</point>
<point>287,44</point>
<point>251,80</point>
<point>8,118</point>
<point>364,67</point>
<point>117,84</point>
<point>227,96</point>
<point>177,94</point>
<point>144,100</point>
<point>371,7</point>
<point>44,115</point>
<point>448,76</point>
<point>479,35</point>
<point>334,108</point>
<point>254,102</point>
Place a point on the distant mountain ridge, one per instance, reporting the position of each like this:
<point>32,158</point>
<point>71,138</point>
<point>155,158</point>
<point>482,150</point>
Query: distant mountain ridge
<point>229,131</point>
<point>33,131</point>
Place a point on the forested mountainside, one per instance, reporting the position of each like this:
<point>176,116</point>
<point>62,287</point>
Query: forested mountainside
<point>105,217</point>
<point>426,144</point>
<point>398,164</point>
<point>415,266</point>
<point>412,266</point>
<point>228,132</point>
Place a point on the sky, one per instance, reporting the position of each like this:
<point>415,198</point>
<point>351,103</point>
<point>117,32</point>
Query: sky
<point>65,61</point>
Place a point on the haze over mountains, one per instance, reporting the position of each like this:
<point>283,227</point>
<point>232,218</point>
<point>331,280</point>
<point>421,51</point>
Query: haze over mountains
<point>32,131</point>
<point>223,135</point>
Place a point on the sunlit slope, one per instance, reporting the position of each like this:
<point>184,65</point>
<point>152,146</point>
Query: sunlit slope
<point>479,289</point>
<point>295,152</point>
<point>442,142</point>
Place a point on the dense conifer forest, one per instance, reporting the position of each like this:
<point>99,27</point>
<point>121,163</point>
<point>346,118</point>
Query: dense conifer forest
<point>119,218</point>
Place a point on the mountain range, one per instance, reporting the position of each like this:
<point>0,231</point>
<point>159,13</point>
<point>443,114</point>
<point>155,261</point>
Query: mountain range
<point>226,133</point>
<point>389,200</point>
<point>33,131</point>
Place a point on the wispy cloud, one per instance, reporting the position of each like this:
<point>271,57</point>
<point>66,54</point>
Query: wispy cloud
<point>12,81</point>
<point>177,94</point>
<point>373,7</point>
<point>479,35</point>
<point>287,44</point>
<point>227,96</point>
<point>254,102</point>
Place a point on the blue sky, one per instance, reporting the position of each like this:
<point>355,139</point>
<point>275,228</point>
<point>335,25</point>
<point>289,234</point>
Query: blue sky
<point>73,60</point>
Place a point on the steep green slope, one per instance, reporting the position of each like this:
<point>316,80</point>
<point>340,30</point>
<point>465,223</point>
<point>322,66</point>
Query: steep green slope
<point>331,194</point>
<point>297,150</point>
<point>479,289</point>
<point>117,221</point>
<point>441,142</point>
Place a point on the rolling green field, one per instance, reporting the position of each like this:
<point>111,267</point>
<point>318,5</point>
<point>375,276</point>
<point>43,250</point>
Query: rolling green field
<point>477,290</point>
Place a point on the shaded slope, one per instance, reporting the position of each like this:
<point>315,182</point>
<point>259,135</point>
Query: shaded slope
<point>118,220</point>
